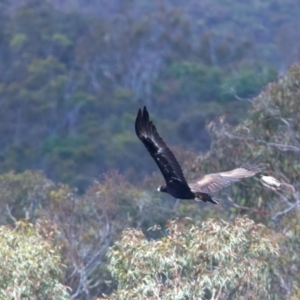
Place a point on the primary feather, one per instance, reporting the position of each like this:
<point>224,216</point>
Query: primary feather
<point>157,148</point>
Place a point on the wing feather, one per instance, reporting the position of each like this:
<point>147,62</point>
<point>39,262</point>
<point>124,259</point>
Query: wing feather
<point>211,183</point>
<point>158,149</point>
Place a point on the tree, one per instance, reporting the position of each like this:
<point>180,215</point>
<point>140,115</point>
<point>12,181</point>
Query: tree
<point>30,266</point>
<point>216,260</point>
<point>23,195</point>
<point>90,223</point>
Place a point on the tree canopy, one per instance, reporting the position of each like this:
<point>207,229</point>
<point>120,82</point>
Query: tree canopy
<point>217,260</point>
<point>31,267</point>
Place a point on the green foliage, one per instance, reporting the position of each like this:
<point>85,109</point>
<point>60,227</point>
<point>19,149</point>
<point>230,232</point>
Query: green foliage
<point>61,39</point>
<point>111,205</point>
<point>217,260</point>
<point>91,222</point>
<point>289,264</point>
<point>196,81</point>
<point>17,40</point>
<point>247,81</point>
<point>43,72</point>
<point>23,195</point>
<point>30,267</point>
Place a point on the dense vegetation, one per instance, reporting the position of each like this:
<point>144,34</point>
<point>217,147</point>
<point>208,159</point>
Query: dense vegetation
<point>71,82</point>
<point>218,261</point>
<point>77,195</point>
<point>30,264</point>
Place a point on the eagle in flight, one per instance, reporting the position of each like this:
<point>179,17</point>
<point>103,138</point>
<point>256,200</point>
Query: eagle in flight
<point>176,185</point>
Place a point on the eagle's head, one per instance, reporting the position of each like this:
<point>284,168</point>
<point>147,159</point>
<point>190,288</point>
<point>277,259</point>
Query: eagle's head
<point>162,188</point>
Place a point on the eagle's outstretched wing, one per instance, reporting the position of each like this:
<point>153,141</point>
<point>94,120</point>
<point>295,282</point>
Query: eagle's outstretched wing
<point>164,158</point>
<point>211,183</point>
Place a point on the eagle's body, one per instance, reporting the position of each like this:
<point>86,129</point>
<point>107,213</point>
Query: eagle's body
<point>176,185</point>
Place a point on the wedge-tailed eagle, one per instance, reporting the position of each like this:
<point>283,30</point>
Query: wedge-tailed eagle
<point>176,185</point>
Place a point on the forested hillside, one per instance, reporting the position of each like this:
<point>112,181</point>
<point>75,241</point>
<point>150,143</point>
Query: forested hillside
<point>78,189</point>
<point>73,76</point>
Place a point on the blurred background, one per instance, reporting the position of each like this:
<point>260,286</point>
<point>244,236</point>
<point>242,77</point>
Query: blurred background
<point>74,73</point>
<point>221,82</point>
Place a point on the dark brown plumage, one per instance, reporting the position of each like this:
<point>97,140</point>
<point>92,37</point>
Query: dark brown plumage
<point>176,185</point>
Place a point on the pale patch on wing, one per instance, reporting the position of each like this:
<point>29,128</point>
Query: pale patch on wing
<point>238,173</point>
<point>211,183</point>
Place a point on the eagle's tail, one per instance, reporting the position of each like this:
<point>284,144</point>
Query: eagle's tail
<point>206,198</point>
